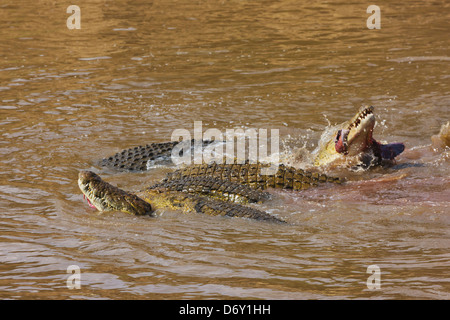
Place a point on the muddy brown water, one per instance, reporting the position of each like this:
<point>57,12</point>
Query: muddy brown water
<point>138,70</point>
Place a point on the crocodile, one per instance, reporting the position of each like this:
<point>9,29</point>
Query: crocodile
<point>185,194</point>
<point>354,138</point>
<point>216,189</point>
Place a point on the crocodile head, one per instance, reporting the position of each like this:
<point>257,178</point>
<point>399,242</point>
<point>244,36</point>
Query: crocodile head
<point>355,138</point>
<point>106,197</point>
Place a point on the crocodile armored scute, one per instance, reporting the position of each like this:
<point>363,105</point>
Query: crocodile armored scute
<point>138,158</point>
<point>211,206</point>
<point>214,187</point>
<point>217,207</point>
<point>251,174</point>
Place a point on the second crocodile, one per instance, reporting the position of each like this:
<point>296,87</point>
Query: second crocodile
<point>175,195</point>
<point>214,189</point>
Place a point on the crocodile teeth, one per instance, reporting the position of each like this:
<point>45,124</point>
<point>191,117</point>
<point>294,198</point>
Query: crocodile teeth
<point>360,117</point>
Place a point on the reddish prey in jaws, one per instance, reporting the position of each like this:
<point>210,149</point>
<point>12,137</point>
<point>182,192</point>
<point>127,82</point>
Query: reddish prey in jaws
<point>386,151</point>
<point>89,203</point>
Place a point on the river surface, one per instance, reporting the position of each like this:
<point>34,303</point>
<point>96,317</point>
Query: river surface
<point>138,70</point>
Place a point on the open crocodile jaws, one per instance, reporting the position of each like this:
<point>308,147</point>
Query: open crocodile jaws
<point>355,137</point>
